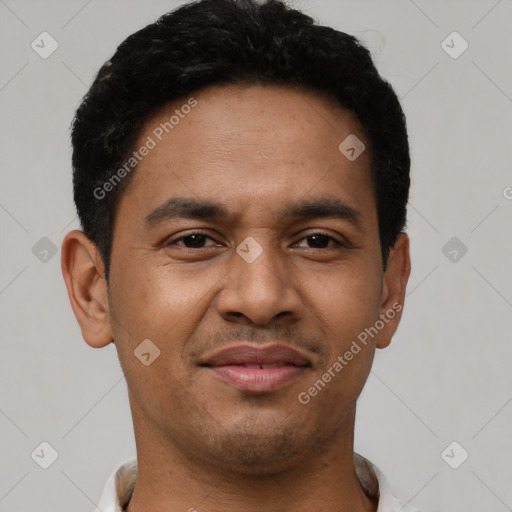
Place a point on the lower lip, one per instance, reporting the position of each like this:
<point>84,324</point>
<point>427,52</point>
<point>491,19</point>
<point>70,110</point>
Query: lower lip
<point>258,380</point>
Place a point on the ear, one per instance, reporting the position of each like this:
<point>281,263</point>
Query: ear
<point>393,289</point>
<point>83,271</point>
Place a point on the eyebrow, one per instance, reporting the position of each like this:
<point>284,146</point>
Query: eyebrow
<point>198,209</point>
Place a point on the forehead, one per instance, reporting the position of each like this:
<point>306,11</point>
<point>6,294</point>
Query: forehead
<point>249,146</point>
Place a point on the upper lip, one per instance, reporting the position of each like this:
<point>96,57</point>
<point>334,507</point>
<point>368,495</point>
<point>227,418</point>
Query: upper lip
<point>247,353</point>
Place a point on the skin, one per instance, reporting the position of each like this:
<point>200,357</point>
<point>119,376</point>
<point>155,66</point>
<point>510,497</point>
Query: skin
<point>200,442</point>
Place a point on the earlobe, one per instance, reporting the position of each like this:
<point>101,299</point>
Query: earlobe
<point>393,289</point>
<point>82,269</point>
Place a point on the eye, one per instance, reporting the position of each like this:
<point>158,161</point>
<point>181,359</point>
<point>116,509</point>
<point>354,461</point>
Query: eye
<point>193,240</point>
<point>321,241</point>
<point>198,239</point>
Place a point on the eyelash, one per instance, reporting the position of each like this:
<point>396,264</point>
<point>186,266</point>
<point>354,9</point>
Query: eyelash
<point>202,233</point>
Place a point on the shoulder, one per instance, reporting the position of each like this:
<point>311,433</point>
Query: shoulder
<point>371,477</point>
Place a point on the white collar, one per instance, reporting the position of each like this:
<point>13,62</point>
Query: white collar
<point>119,487</point>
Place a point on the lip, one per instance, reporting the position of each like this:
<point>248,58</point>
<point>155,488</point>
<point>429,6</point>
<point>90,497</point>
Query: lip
<point>279,365</point>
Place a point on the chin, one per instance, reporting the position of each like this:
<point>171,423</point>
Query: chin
<point>257,451</point>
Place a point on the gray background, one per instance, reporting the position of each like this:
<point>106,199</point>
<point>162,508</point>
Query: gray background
<point>446,376</point>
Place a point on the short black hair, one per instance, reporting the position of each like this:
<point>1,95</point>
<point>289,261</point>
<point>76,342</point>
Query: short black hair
<point>215,42</point>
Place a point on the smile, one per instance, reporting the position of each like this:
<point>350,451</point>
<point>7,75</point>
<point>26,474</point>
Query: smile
<point>258,369</point>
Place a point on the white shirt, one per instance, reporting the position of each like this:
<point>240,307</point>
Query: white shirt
<point>119,487</point>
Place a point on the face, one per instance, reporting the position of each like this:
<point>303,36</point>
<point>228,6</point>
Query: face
<point>246,228</point>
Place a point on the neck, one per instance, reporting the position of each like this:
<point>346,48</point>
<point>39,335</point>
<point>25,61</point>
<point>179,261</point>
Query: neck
<point>323,479</point>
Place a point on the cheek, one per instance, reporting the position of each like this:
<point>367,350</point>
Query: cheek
<point>159,303</point>
<point>345,301</point>
<point>344,304</point>
<point>149,298</point>
<point>154,303</point>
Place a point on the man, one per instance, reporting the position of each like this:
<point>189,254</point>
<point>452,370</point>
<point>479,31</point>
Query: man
<point>241,175</point>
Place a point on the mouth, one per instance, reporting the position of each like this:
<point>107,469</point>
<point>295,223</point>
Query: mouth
<point>256,368</point>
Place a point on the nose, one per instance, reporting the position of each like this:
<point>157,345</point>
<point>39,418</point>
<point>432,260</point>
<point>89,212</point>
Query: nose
<point>260,291</point>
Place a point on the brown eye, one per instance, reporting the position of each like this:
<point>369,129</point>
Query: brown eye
<point>194,240</point>
<point>321,241</point>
